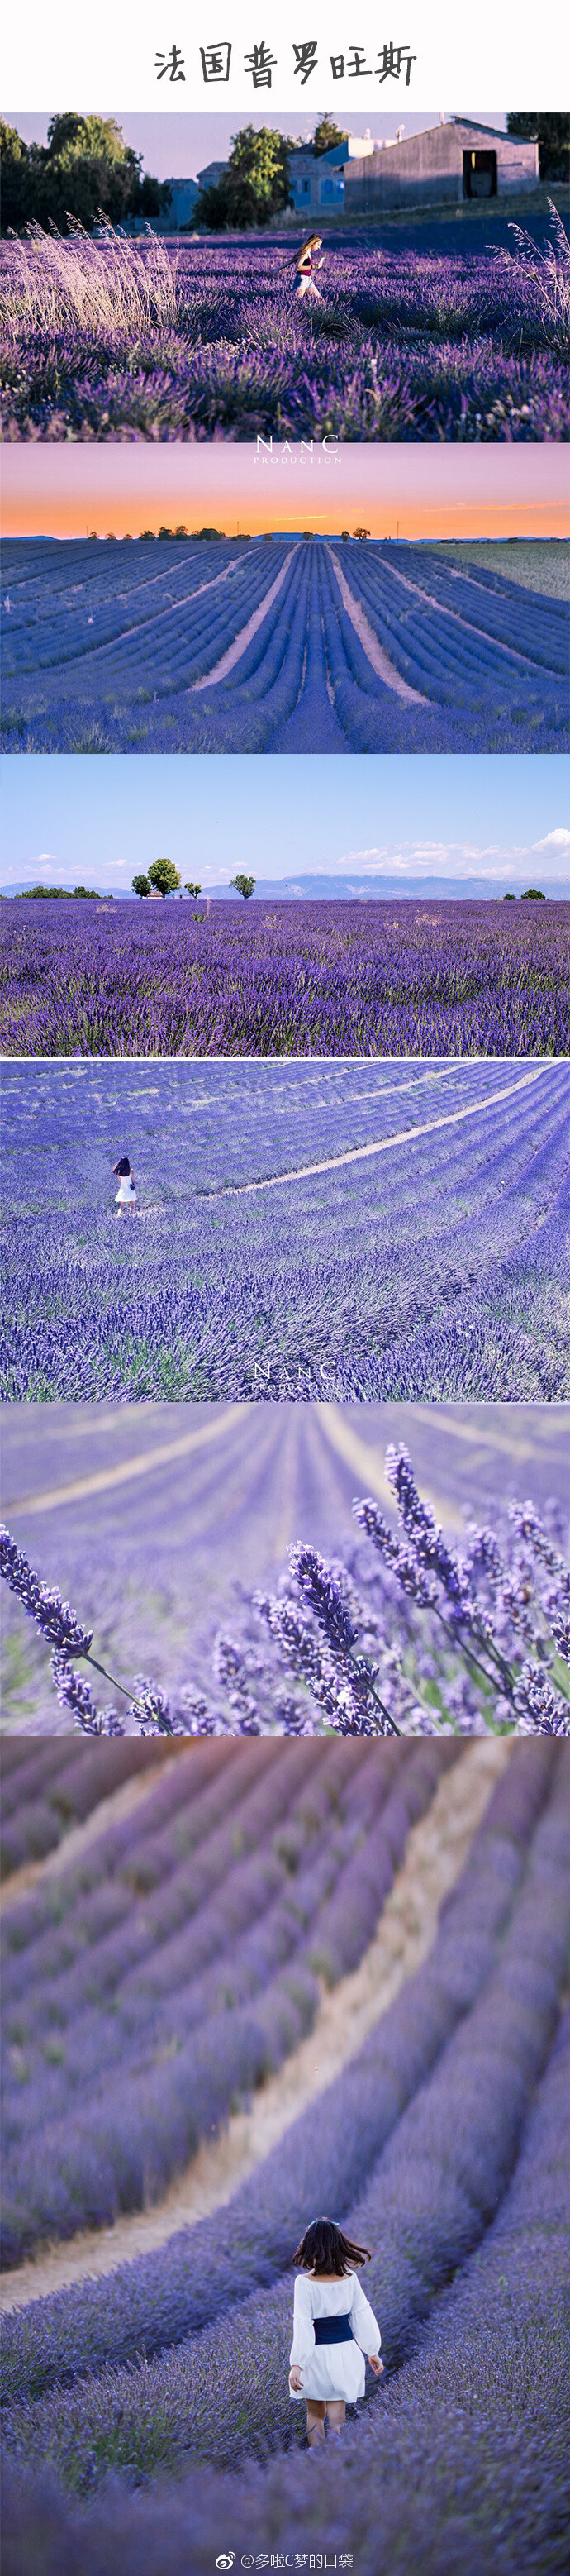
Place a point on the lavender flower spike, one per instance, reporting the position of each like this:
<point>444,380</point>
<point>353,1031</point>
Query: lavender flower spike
<point>53,1617</point>
<point>320,1585</point>
<point>74,1691</point>
<point>420,1527</point>
<point>150,1705</point>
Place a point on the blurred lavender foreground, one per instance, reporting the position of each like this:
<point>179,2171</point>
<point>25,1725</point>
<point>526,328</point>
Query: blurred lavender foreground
<point>336,1646</point>
<point>114,338</point>
<point>441,2142</point>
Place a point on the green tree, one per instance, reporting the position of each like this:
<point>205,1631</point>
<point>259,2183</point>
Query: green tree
<point>84,170</point>
<point>255,185</point>
<point>533,894</point>
<point>244,886</point>
<point>509,898</point>
<point>164,876</point>
<point>141,885</point>
<point>195,890</point>
<point>17,179</point>
<point>327,134</point>
<point>552,133</point>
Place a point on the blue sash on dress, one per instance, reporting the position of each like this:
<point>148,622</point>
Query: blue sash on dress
<point>333,2329</point>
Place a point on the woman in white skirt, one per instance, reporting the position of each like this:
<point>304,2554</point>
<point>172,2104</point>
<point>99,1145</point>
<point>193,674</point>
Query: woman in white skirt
<point>126,1195</point>
<point>333,2328</point>
<point>305,266</point>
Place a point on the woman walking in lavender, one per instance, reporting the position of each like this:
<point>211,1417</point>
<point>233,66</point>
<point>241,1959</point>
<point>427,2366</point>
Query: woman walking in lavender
<point>305,265</point>
<point>126,1195</point>
<point>333,2328</point>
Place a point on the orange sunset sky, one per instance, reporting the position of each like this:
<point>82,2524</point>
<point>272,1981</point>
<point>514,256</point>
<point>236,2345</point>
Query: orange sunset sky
<point>420,491</point>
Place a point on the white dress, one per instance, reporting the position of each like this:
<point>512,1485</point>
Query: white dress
<point>331,2369</point>
<point>126,1191</point>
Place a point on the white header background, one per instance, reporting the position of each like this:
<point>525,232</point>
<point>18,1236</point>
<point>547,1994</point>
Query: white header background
<point>72,56</point>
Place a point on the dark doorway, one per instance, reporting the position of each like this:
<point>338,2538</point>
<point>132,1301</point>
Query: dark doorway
<point>479,174</point>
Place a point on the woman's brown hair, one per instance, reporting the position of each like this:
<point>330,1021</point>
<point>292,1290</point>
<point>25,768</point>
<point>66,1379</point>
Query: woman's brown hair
<point>324,2248</point>
<point>313,242</point>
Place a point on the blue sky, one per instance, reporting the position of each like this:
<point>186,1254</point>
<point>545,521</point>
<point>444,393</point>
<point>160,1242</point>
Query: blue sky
<point>176,147</point>
<point>99,821</point>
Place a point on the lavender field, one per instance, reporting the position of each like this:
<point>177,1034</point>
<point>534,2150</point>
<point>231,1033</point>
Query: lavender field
<point>148,2410</point>
<point>288,647</point>
<point>305,979</point>
<point>227,1492</point>
<point>395,1232</point>
<point>412,339</point>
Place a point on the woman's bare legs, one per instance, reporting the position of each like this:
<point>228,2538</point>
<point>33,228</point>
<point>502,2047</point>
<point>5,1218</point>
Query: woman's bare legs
<point>315,2422</point>
<point>336,2411</point>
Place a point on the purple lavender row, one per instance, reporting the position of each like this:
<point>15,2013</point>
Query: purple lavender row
<point>39,1767</point>
<point>460,2461</point>
<point>318,1924</point>
<point>427,2206</point>
<point>429,2198</point>
<point>247,1803</point>
<point>273,1896</point>
<point>326,2155</point>
<point>33,1824</point>
<point>322,1789</point>
<point>192,1798</point>
<point>148,2121</point>
<point>463,2457</point>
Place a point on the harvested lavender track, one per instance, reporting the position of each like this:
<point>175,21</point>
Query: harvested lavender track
<point>443,2140</point>
<point>304,979</point>
<point>413,339</point>
<point>362,647</point>
<point>275,1251</point>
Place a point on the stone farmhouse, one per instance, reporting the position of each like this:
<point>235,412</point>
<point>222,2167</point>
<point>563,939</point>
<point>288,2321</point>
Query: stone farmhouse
<point>450,163</point>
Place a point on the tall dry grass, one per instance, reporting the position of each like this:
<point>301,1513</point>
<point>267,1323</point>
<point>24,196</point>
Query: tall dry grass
<point>550,277</point>
<point>96,286</point>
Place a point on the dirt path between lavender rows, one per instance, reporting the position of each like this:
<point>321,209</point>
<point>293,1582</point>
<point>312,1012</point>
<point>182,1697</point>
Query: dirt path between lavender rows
<point>386,670</point>
<point>142,1464</point>
<point>383,1144</point>
<point>241,641</point>
<point>434,1855</point>
<point>110,1811</point>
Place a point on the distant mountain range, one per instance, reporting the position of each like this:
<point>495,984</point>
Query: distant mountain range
<point>355,888</point>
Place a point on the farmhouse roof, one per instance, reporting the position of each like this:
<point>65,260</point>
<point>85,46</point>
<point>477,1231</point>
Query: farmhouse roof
<point>475,126</point>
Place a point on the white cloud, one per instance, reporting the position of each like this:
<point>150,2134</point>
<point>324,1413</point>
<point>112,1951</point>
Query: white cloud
<point>559,840</point>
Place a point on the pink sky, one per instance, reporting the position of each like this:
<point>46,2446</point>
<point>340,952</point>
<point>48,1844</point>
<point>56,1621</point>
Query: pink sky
<point>424,490</point>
